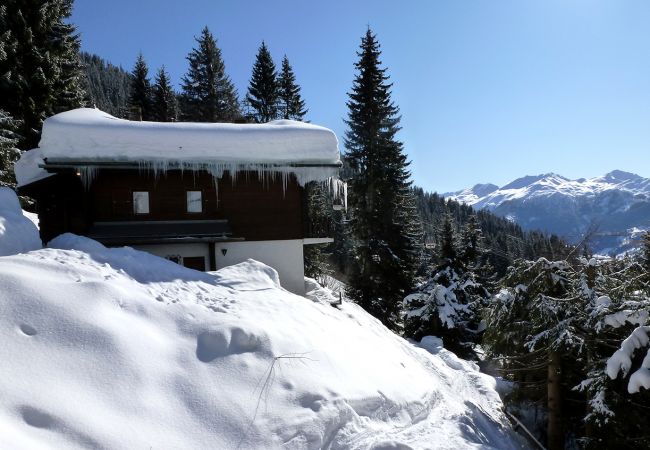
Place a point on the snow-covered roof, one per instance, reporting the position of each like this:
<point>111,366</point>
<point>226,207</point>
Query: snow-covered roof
<point>84,136</point>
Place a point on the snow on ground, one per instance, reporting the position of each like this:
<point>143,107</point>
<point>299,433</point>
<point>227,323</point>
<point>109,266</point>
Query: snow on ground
<point>18,233</point>
<point>116,348</point>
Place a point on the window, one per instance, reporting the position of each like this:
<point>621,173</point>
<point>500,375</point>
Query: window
<point>141,202</point>
<point>194,202</point>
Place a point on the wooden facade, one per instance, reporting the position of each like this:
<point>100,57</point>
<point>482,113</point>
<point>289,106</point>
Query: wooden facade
<point>255,209</point>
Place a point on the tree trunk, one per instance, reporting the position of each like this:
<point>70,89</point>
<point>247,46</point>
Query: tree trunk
<point>555,432</point>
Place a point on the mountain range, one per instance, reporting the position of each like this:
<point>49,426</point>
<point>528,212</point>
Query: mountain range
<point>609,213</point>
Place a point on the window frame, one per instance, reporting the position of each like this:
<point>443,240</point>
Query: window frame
<point>135,212</point>
<point>200,201</point>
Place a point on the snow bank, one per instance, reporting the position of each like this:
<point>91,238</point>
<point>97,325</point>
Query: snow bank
<point>91,135</point>
<point>115,348</point>
<point>17,233</point>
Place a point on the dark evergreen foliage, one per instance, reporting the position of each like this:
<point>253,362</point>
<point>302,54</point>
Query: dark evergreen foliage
<point>9,153</point>
<point>449,304</point>
<point>140,94</point>
<point>262,96</point>
<point>208,93</point>
<point>107,86</point>
<point>553,326</point>
<point>291,104</point>
<point>448,239</point>
<point>164,98</point>
<point>384,222</point>
<point>503,241</point>
<point>40,70</point>
<point>320,224</point>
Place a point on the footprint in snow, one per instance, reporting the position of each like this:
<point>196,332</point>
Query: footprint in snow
<point>28,329</point>
<point>36,418</point>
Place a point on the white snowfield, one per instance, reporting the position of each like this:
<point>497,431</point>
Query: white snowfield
<point>18,232</point>
<point>91,135</point>
<point>116,348</point>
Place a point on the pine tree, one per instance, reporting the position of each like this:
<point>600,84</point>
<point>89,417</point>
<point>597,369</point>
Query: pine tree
<point>537,321</point>
<point>40,70</point>
<point>208,94</point>
<point>448,240</point>
<point>263,90</point>
<point>291,104</point>
<point>449,304</point>
<point>164,98</point>
<point>140,93</point>
<point>384,224</point>
<point>9,154</point>
<point>471,241</point>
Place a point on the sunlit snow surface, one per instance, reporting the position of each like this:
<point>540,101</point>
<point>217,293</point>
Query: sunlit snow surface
<point>90,135</point>
<point>18,229</point>
<point>115,348</point>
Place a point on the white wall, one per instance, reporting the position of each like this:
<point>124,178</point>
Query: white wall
<point>285,256</point>
<point>184,250</point>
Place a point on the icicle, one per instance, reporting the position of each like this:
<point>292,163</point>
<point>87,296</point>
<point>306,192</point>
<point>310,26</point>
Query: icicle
<point>87,174</point>
<point>266,173</point>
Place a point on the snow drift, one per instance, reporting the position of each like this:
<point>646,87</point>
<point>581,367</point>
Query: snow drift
<point>18,233</point>
<point>115,348</point>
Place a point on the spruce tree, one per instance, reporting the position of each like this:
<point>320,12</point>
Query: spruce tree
<point>384,224</point>
<point>164,98</point>
<point>140,93</point>
<point>263,91</point>
<point>40,70</point>
<point>471,241</point>
<point>291,104</point>
<point>208,94</point>
<point>8,151</point>
<point>448,239</point>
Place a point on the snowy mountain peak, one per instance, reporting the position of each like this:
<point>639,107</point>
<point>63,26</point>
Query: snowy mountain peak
<point>614,203</point>
<point>472,194</point>
<point>620,175</point>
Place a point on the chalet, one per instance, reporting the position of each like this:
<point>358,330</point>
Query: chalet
<point>203,195</point>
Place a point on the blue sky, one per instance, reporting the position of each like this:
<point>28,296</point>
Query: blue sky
<point>489,90</point>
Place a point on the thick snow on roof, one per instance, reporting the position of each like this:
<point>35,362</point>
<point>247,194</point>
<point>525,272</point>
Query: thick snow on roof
<point>91,135</point>
<point>115,348</point>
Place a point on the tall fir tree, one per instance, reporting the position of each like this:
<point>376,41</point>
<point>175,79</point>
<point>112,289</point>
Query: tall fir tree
<point>447,239</point>
<point>208,93</point>
<point>291,105</point>
<point>164,98</point>
<point>40,70</point>
<point>448,305</point>
<point>9,153</point>
<point>263,90</point>
<point>384,221</point>
<point>140,93</point>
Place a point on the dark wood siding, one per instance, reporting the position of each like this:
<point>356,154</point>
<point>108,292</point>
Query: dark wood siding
<point>255,209</point>
<point>62,205</point>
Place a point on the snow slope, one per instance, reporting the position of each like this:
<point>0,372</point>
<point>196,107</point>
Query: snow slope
<point>115,348</point>
<point>18,232</point>
<point>616,205</point>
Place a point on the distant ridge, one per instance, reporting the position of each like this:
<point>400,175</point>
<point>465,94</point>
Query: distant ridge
<point>613,208</point>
